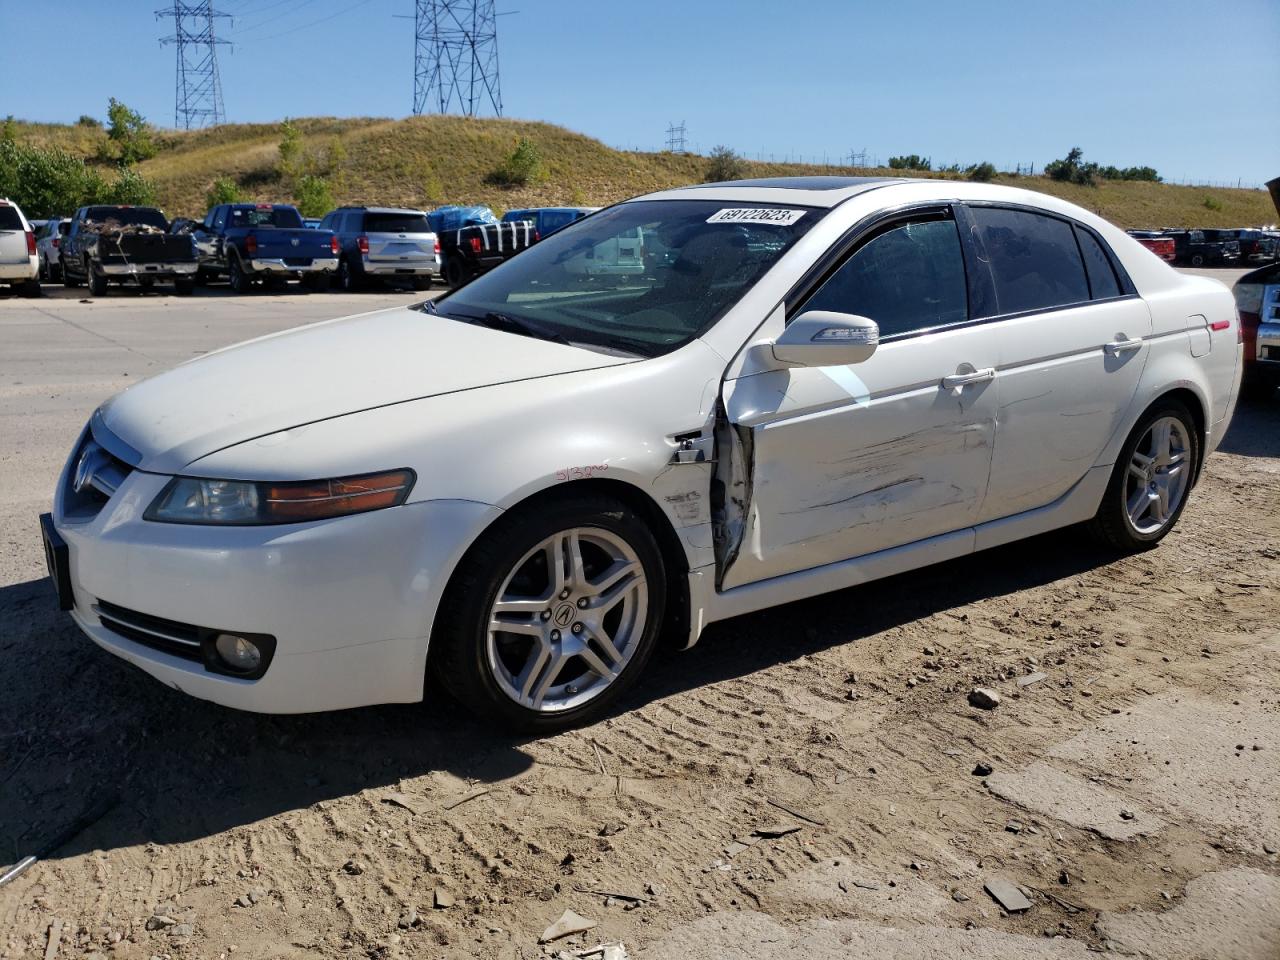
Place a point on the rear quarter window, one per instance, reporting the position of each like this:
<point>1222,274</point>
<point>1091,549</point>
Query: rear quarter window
<point>9,219</point>
<point>1035,263</point>
<point>1102,276</point>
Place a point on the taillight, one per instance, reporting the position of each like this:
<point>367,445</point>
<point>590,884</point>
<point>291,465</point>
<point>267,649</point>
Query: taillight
<point>57,241</point>
<point>31,244</point>
<point>333,246</point>
<point>251,244</point>
<point>437,248</point>
<point>536,236</point>
<point>475,245</point>
<point>1249,306</point>
<point>363,244</point>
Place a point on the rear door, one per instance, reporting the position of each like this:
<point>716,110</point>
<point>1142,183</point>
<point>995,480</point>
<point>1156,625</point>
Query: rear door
<point>1073,342</point>
<point>848,460</point>
<point>399,238</point>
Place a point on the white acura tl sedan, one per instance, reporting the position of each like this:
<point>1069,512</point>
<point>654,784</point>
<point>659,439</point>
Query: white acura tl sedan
<point>517,487</point>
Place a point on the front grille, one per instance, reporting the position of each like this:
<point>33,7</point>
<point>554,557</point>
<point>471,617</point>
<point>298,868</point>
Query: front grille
<point>167,636</point>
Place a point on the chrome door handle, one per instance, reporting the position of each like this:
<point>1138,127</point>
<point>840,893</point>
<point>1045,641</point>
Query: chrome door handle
<point>1117,347</point>
<point>958,381</point>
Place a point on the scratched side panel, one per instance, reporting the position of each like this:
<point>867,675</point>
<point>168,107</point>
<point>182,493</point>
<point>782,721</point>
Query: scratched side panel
<point>840,462</point>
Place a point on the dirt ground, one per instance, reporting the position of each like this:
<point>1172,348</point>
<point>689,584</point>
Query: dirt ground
<point>1133,793</point>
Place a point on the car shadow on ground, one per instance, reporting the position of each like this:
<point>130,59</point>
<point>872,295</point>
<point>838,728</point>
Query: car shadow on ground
<point>77,724</point>
<point>1255,428</point>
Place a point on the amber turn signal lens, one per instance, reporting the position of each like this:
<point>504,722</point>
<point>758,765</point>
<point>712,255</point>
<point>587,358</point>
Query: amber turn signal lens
<point>317,500</point>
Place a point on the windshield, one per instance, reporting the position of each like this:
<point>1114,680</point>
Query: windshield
<point>396,223</point>
<point>643,277</point>
<point>284,217</point>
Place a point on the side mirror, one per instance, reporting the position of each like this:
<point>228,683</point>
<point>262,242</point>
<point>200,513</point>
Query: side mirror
<point>64,228</point>
<point>823,338</point>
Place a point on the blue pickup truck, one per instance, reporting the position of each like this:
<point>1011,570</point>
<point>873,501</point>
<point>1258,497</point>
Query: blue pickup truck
<point>248,242</point>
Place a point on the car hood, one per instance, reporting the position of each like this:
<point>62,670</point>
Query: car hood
<point>319,372</point>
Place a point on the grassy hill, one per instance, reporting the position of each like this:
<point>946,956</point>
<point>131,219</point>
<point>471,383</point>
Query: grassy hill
<point>431,160</point>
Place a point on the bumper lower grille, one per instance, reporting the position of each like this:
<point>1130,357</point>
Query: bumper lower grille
<point>167,636</point>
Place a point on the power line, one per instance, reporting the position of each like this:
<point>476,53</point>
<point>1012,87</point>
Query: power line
<point>197,98</point>
<point>455,60</point>
<point>676,139</point>
<point>308,24</point>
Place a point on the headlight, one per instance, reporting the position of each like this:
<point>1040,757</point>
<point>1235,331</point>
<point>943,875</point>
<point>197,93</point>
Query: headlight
<point>243,502</point>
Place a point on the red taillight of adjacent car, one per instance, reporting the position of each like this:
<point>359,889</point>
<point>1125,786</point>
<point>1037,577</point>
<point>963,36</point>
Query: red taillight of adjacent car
<point>437,248</point>
<point>57,242</point>
<point>475,245</point>
<point>363,244</point>
<point>333,246</point>
<point>251,244</point>
<point>1249,307</point>
<point>31,244</point>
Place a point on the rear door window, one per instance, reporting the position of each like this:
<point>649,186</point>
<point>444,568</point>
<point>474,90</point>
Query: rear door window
<point>396,223</point>
<point>908,278</point>
<point>1035,263</point>
<point>1102,276</point>
<point>9,219</point>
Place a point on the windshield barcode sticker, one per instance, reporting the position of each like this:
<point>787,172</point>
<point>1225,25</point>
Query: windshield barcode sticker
<point>780,218</point>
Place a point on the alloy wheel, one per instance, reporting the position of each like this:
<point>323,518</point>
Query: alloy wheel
<point>1158,476</point>
<point>567,620</point>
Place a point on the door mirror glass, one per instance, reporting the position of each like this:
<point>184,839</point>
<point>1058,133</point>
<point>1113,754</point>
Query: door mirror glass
<point>824,338</point>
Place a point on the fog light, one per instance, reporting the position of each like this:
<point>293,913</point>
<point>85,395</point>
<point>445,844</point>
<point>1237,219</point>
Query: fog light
<point>239,654</point>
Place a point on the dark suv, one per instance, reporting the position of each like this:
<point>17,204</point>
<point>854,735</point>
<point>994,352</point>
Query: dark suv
<point>1203,247</point>
<point>383,243</point>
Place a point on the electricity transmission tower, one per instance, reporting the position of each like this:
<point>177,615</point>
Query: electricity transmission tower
<point>676,137</point>
<point>455,60</point>
<point>197,99</point>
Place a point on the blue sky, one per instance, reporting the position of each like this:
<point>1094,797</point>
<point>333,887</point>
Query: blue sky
<point>1191,87</point>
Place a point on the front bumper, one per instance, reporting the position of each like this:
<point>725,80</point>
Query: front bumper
<point>349,601</point>
<point>277,265</point>
<point>117,270</point>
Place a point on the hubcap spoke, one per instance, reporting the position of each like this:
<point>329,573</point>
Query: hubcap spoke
<point>538,676</point>
<point>525,606</point>
<point>1138,504</point>
<point>527,628</point>
<point>605,643</point>
<point>590,658</point>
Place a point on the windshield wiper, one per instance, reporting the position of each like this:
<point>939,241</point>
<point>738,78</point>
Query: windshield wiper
<point>528,328</point>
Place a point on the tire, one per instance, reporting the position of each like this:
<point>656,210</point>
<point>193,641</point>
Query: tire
<point>455,274</point>
<point>348,281</point>
<point>236,276</point>
<point>483,668</point>
<point>1197,260</point>
<point>184,286</point>
<point>422,283</point>
<point>68,280</point>
<point>1126,520</point>
<point>97,281</point>
<point>31,288</point>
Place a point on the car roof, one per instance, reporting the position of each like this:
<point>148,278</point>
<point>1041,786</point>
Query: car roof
<point>806,191</point>
<point>385,209</point>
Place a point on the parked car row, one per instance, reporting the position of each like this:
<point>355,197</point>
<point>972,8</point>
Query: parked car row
<point>1211,247</point>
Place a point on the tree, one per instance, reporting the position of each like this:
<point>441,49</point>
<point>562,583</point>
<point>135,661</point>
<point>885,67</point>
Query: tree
<point>133,189</point>
<point>223,190</point>
<point>523,166</point>
<point>88,121</point>
<point>129,132</point>
<point>312,196</point>
<point>9,130</point>
<point>290,150</point>
<point>724,164</point>
<point>1072,169</point>
<point>981,172</point>
<point>48,181</point>
<point>911,161</point>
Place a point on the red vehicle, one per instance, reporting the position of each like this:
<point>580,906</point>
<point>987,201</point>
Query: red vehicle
<point>1157,243</point>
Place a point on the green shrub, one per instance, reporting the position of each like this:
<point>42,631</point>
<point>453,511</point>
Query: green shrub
<point>724,164</point>
<point>911,161</point>
<point>1211,203</point>
<point>88,121</point>
<point>1072,169</point>
<point>132,188</point>
<point>129,133</point>
<point>224,190</point>
<point>522,167</point>
<point>312,196</point>
<point>290,150</point>
<point>981,172</point>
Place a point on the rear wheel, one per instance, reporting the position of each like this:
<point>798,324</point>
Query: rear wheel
<point>422,283</point>
<point>316,282</point>
<point>97,281</point>
<point>68,280</point>
<point>1151,479</point>
<point>455,274</point>
<point>184,286</point>
<point>1197,260</point>
<point>31,288</point>
<point>237,277</point>
<point>347,278</point>
<point>551,615</point>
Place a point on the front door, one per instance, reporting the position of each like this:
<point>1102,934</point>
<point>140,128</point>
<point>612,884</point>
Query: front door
<point>846,461</point>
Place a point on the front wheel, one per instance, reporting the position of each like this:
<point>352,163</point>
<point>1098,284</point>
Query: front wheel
<point>455,274</point>
<point>97,281</point>
<point>551,615</point>
<point>237,277</point>
<point>1151,479</point>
